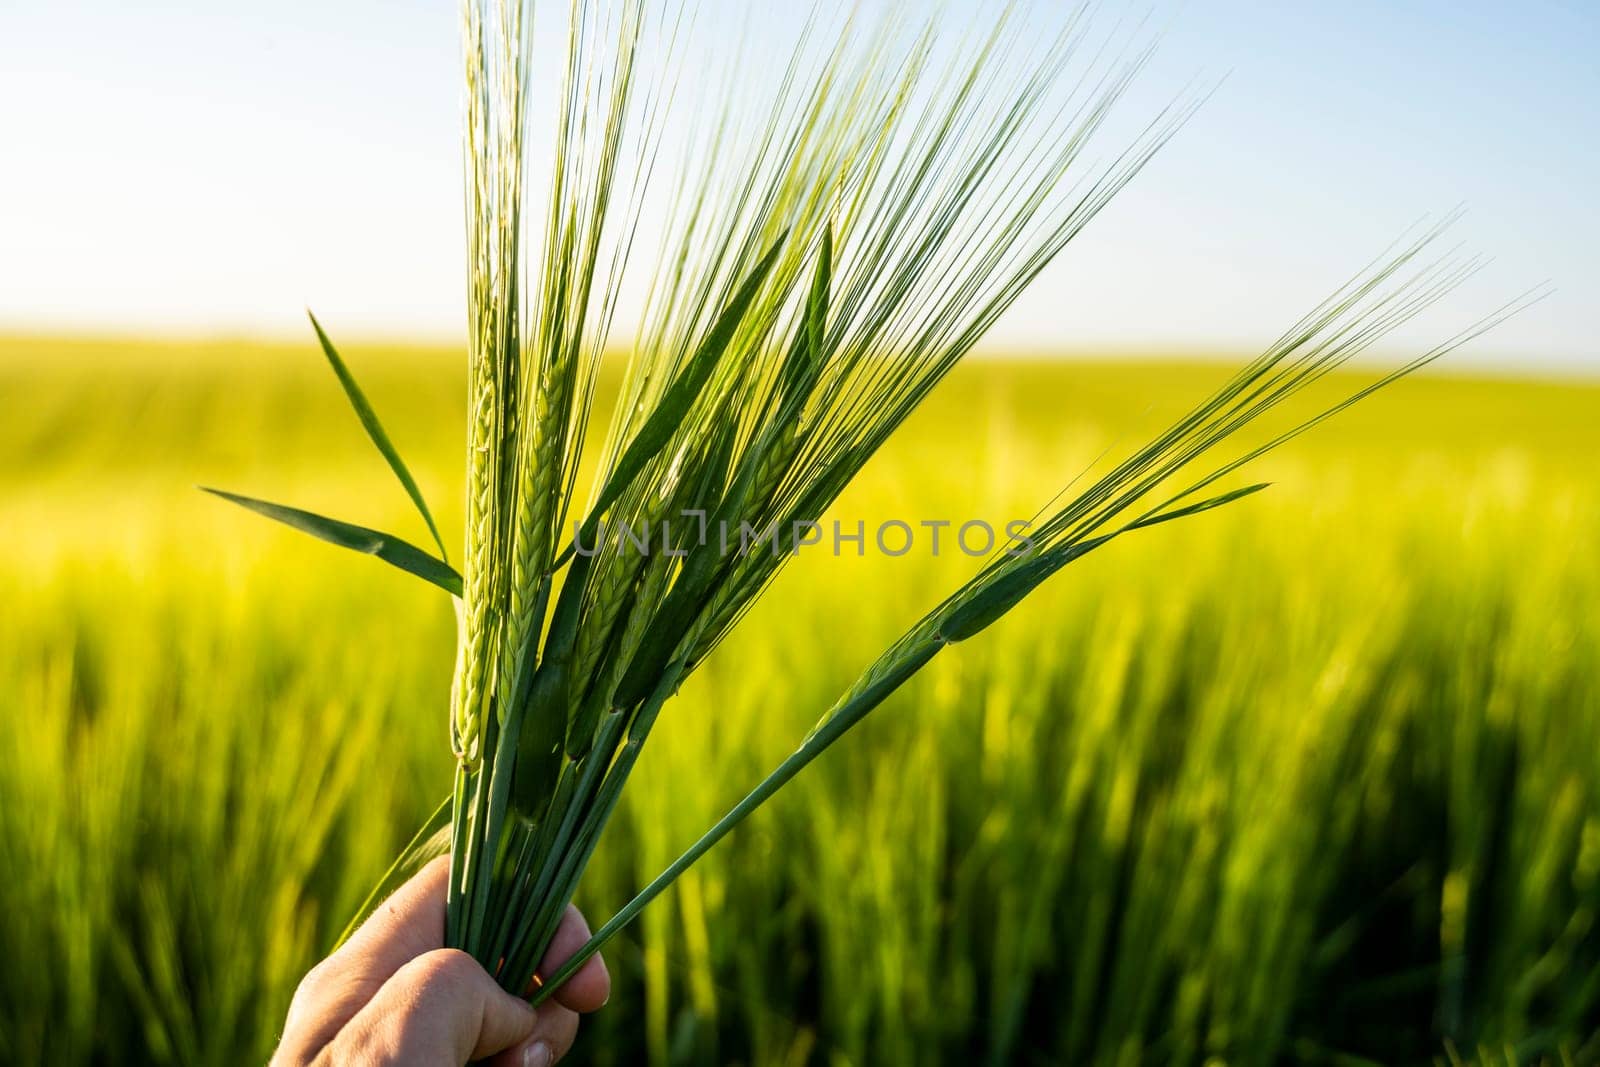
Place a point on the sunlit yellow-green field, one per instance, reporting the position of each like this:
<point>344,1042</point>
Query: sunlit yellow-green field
<point>1315,778</point>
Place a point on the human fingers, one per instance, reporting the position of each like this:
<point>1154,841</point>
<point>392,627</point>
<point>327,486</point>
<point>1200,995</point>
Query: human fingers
<point>553,1035</point>
<point>406,925</point>
<point>439,1008</point>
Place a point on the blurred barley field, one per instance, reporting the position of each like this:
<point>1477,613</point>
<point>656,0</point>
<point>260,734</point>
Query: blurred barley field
<point>1314,779</point>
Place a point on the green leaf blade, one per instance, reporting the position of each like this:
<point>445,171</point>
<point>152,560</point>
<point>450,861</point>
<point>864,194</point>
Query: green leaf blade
<point>376,433</point>
<point>392,550</point>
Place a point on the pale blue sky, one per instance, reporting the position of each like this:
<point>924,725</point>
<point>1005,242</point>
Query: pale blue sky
<point>215,167</point>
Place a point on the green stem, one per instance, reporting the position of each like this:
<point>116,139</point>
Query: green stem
<point>458,820</point>
<point>490,839</point>
<point>555,888</point>
<point>852,711</point>
<point>472,853</point>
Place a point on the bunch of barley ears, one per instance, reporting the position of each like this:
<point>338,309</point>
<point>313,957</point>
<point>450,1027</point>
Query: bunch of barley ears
<point>834,237</point>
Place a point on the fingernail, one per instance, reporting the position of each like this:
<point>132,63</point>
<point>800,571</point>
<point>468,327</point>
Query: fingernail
<point>537,1055</point>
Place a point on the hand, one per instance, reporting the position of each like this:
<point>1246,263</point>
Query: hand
<point>393,994</point>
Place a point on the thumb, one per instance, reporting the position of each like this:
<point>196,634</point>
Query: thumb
<point>441,1007</point>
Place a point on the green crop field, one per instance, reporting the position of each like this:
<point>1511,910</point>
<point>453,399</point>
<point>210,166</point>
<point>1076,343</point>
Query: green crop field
<point>1312,779</point>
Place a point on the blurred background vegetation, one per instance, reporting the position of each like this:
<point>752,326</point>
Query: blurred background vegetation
<point>1315,779</point>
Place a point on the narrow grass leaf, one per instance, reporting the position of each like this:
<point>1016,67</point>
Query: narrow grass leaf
<point>545,711</point>
<point>392,550</point>
<point>375,431</point>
